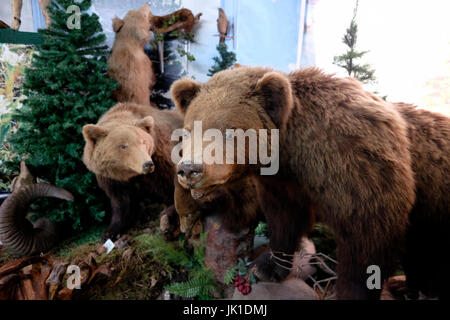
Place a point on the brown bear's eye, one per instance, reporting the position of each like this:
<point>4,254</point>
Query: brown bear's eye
<point>123,147</point>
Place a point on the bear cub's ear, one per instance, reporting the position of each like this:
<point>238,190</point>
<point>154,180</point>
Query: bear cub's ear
<point>183,91</point>
<point>91,132</point>
<point>117,24</point>
<point>145,8</point>
<point>276,97</point>
<point>146,124</point>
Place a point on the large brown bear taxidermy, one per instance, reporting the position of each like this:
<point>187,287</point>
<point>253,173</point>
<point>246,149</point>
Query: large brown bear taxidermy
<point>427,236</point>
<point>130,147</point>
<point>128,63</point>
<point>342,151</point>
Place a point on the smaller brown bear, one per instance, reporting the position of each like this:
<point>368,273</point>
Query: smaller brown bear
<point>128,63</point>
<point>130,148</point>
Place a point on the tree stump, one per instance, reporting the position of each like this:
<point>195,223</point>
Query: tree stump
<point>223,247</point>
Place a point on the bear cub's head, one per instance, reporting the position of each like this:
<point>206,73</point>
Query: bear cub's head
<point>135,25</point>
<point>119,152</point>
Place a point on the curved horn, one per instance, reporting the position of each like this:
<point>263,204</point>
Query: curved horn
<point>17,233</point>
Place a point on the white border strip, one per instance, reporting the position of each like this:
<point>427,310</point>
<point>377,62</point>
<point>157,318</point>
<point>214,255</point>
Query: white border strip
<point>301,30</point>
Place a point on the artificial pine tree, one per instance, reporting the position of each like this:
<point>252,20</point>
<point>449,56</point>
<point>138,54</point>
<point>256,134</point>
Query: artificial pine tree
<point>66,87</point>
<point>225,61</point>
<point>363,73</point>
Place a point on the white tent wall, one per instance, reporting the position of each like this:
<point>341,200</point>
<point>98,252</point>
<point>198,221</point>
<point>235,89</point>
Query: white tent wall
<point>267,32</point>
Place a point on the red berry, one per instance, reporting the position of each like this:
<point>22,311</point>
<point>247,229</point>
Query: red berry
<point>246,291</point>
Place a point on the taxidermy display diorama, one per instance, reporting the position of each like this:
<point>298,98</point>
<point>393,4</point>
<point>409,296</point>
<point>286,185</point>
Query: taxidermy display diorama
<point>245,183</point>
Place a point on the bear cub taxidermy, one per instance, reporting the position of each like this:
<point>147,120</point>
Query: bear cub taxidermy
<point>129,150</point>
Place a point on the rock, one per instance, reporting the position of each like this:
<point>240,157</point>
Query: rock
<point>290,289</point>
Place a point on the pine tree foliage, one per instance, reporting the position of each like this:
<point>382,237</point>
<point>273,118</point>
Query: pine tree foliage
<point>225,61</point>
<point>349,60</point>
<point>66,88</point>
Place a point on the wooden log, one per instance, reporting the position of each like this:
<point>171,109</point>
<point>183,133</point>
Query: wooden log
<point>54,279</point>
<point>27,289</point>
<point>17,264</point>
<point>8,286</point>
<point>64,294</point>
<point>101,273</point>
<point>223,247</point>
<point>39,275</point>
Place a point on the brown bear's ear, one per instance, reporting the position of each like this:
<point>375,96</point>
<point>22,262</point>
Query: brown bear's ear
<point>91,132</point>
<point>183,91</point>
<point>117,24</point>
<point>145,9</point>
<point>146,124</point>
<point>275,91</point>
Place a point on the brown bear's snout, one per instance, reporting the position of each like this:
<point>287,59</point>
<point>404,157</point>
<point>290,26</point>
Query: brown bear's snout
<point>190,172</point>
<point>148,167</point>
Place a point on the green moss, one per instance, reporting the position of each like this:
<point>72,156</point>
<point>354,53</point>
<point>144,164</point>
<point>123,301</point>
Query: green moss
<point>80,245</point>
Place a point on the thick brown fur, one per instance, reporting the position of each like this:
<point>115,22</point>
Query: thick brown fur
<point>186,21</point>
<point>427,235</point>
<point>235,203</point>
<point>342,151</point>
<point>128,63</point>
<point>146,135</point>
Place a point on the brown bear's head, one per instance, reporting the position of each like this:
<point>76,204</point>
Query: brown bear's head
<point>120,152</point>
<point>242,98</point>
<point>135,25</point>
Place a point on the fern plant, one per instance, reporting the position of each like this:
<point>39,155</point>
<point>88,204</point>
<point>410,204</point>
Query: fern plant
<point>172,255</point>
<point>241,269</point>
<point>201,281</point>
<point>201,286</point>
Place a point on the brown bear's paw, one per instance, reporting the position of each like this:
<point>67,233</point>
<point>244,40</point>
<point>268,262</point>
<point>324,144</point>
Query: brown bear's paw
<point>169,223</point>
<point>266,269</point>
